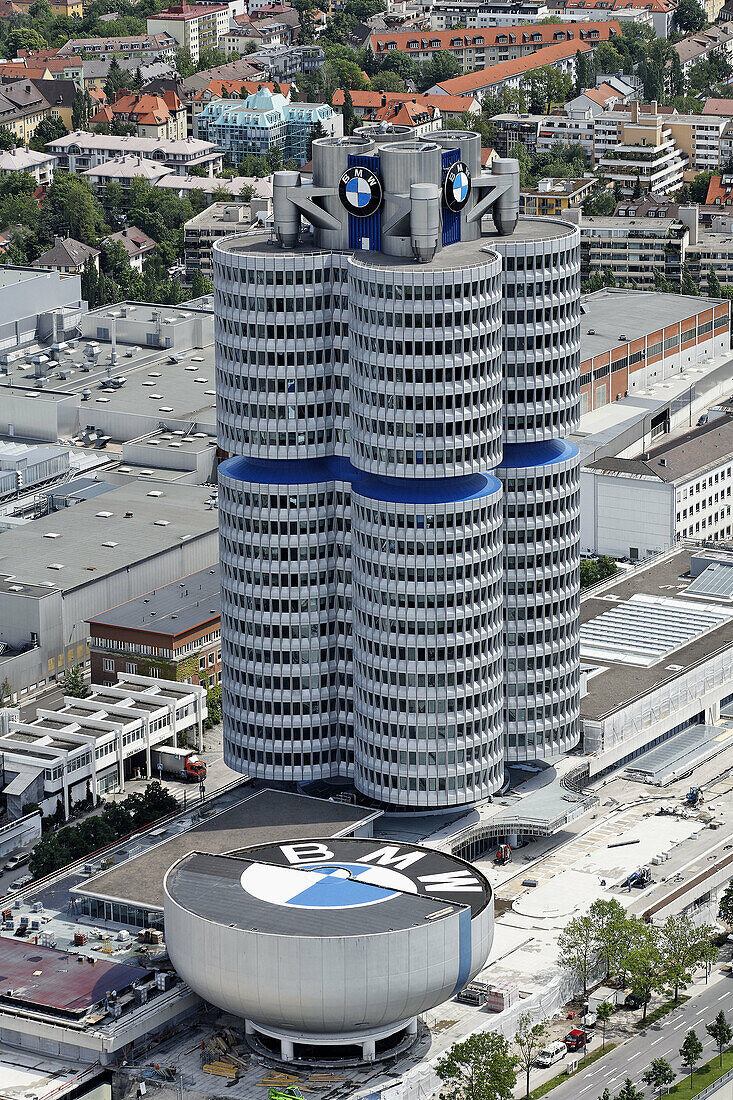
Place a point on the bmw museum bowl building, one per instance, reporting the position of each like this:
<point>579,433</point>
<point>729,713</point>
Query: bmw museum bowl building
<point>328,949</point>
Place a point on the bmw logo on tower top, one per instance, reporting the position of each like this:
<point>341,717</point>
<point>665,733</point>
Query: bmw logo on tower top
<point>360,191</point>
<point>457,186</point>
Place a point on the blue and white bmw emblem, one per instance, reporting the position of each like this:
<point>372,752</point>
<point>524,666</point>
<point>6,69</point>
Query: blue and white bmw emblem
<point>360,191</point>
<point>457,186</point>
<point>325,885</point>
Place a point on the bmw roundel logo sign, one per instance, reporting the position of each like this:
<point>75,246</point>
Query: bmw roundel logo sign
<point>457,186</point>
<point>360,191</point>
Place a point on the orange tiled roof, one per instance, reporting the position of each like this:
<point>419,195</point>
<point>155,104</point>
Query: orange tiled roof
<point>539,34</point>
<point>494,74</point>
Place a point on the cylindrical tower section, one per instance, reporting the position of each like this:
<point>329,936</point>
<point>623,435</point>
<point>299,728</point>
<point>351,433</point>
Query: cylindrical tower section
<point>279,620</point>
<point>541,478</point>
<point>425,367</point>
<point>277,338</point>
<point>332,156</point>
<point>427,630</point>
<point>541,599</point>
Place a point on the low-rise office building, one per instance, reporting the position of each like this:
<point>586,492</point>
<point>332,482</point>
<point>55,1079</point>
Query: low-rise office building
<point>173,631</point>
<point>681,489</point>
<point>81,150</point>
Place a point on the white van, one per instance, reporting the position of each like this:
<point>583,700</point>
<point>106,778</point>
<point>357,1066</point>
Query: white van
<point>550,1054</point>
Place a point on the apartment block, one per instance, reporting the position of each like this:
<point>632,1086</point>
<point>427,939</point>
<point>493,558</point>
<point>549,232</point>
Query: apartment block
<point>195,27</point>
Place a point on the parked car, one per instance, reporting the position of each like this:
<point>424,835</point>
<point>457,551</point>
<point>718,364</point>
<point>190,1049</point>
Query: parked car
<point>20,883</point>
<point>13,862</point>
<point>550,1054</point>
<point>577,1039</point>
<point>634,1001</point>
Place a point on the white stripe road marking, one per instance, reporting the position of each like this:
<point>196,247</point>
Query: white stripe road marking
<point>659,1040</point>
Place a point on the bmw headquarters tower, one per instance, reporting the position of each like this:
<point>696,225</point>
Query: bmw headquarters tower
<point>397,370</point>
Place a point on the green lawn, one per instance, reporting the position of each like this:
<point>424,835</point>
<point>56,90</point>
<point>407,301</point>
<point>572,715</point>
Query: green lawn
<point>702,1077</point>
<point>663,1009</point>
<point>555,1081</point>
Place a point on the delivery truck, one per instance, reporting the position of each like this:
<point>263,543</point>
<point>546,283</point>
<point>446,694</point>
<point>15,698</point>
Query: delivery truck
<point>177,763</point>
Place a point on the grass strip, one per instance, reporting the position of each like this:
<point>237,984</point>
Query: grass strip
<point>555,1081</point>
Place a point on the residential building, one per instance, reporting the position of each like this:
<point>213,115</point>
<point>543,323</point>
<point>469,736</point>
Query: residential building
<point>23,159</point>
<point>85,747</point>
<point>195,27</point>
<point>511,129</point>
<point>96,72</point>
<point>161,46</point>
<point>680,489</point>
<point>222,219</point>
<point>553,196</point>
<point>366,103</point>
<point>632,248</point>
<point>646,156</point>
<point>647,206</point>
<point>478,48</point>
<point>662,11</point>
<point>59,94</point>
<point>286,62</point>
<point>387,478</point>
<point>82,149</point>
<point>663,334</point>
<point>137,245</point>
<point>22,107</point>
<point>70,9</point>
<point>510,74</point>
<point>172,632</point>
<point>711,250</point>
<point>698,137</point>
<point>419,118</point>
<point>154,116</point>
<point>264,121</point>
<point>68,256</point>
<point>124,170</point>
<point>446,14</point>
<point>705,44</point>
<point>234,187</point>
<point>573,126</point>
<point>726,147</point>
<point>41,65</point>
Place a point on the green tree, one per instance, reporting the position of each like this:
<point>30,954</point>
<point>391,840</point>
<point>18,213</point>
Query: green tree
<point>659,1076</point>
<point>480,1068</point>
<point>82,109</point>
<point>604,1012</point>
<point>387,81</point>
<point>715,290</point>
<point>609,918</point>
<point>442,66</point>
<point>71,209</point>
<point>348,112</point>
<point>691,1052</point>
<point>7,138</point>
<point>529,1039</point>
<point>25,38</point>
<point>676,76</point>
<point>200,285</point>
<point>720,1032</point>
<point>629,1091</point>
<point>578,948</point>
<point>581,71</point>
<point>689,17</point>
<point>75,684</point>
<point>643,961</point>
<point>116,79</point>
<point>682,950</point>
<point>48,129</point>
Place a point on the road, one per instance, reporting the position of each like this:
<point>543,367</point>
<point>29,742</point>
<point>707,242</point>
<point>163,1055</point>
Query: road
<point>660,1040</point>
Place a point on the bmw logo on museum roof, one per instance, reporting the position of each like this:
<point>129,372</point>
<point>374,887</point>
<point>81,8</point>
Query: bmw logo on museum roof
<point>457,186</point>
<point>360,191</point>
<point>351,874</point>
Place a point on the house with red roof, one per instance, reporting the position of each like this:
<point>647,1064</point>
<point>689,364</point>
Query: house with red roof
<point>366,103</point>
<point>156,116</point>
<point>510,74</point>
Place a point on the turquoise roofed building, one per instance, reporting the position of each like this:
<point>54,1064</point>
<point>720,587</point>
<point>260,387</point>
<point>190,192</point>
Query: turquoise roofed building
<point>264,120</point>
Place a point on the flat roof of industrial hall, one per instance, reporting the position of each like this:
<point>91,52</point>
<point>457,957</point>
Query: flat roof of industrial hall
<point>68,984</point>
<point>176,608</point>
<point>654,633</point>
<point>267,816</point>
<point>617,316</point>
